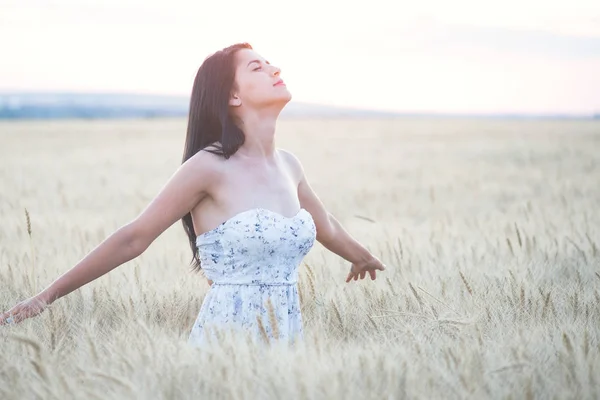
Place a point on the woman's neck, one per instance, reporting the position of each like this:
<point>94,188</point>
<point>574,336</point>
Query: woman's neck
<point>259,132</point>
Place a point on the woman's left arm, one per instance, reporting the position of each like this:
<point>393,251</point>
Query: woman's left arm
<point>332,235</point>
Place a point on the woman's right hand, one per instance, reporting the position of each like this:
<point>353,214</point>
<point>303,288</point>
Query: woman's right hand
<point>23,310</point>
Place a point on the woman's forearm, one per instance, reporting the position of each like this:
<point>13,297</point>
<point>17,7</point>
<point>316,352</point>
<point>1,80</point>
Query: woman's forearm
<point>341,243</point>
<point>117,249</point>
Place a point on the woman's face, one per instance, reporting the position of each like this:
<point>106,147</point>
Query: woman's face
<point>258,84</point>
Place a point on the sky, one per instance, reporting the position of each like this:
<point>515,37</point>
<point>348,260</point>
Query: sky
<point>460,56</point>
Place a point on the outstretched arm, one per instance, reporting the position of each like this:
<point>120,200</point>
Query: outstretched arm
<point>181,193</point>
<point>331,234</point>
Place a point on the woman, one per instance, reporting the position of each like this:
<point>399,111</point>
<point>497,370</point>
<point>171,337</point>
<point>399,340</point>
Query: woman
<point>246,206</point>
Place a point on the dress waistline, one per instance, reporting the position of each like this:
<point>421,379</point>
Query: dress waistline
<point>255,284</point>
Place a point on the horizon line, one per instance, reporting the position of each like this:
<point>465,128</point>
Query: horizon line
<point>548,114</point>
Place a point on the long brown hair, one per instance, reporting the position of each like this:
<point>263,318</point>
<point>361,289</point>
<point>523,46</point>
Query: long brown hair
<point>210,125</point>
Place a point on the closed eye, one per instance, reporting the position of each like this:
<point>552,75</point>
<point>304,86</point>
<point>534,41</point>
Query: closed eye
<point>259,64</point>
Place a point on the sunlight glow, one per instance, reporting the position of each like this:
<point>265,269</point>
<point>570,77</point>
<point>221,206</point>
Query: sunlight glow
<point>462,56</point>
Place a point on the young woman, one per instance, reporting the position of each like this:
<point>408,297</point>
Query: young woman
<point>246,206</point>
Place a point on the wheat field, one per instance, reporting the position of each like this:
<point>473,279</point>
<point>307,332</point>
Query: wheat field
<point>490,230</point>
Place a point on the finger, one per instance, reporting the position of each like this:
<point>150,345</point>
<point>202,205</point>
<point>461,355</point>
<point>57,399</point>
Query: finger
<point>7,316</point>
<point>18,318</point>
<point>352,276</point>
<point>363,274</point>
<point>372,273</point>
<point>30,312</point>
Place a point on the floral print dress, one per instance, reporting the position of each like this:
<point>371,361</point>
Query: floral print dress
<point>253,259</point>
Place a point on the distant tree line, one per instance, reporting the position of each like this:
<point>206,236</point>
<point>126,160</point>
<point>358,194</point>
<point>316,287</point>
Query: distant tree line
<point>45,112</point>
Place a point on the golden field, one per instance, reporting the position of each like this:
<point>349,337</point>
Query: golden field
<point>490,230</point>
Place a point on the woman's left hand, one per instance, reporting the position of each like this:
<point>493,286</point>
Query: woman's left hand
<point>360,269</point>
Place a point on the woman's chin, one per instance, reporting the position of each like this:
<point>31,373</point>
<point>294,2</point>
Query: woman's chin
<point>283,99</point>
<point>288,96</point>
<point>276,102</point>
<point>283,91</point>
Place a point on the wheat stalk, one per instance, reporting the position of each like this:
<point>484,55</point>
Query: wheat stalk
<point>272,319</point>
<point>37,348</point>
<point>29,233</point>
<point>567,343</point>
<point>261,328</point>
<point>518,236</point>
<point>464,279</point>
<point>419,299</point>
<point>510,246</point>
<point>301,296</point>
<point>114,379</point>
<point>391,286</point>
<point>373,323</point>
<point>41,370</point>
<point>546,304</point>
<point>337,313</point>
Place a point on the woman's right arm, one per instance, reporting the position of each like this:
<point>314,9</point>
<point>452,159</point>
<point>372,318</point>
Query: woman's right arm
<point>186,188</point>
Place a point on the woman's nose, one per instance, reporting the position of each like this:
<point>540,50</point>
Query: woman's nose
<point>276,71</point>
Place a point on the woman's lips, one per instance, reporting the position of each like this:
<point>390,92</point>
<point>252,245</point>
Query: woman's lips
<point>279,83</point>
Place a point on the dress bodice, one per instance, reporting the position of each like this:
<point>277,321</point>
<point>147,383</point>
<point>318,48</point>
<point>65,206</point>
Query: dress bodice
<point>257,246</point>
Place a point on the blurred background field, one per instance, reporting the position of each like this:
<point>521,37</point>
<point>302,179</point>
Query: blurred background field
<point>490,229</point>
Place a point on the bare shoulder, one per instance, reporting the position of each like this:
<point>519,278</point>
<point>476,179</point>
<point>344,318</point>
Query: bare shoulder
<point>204,165</point>
<point>205,156</point>
<point>186,187</point>
<point>293,163</point>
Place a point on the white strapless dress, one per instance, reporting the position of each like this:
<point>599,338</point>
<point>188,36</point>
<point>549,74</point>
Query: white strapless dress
<point>252,258</point>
